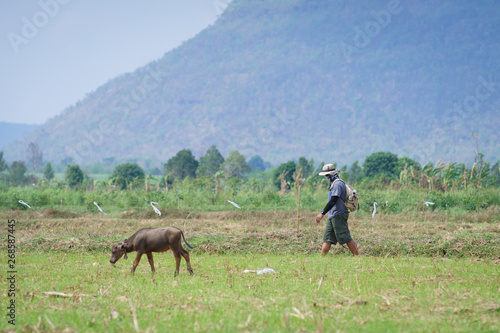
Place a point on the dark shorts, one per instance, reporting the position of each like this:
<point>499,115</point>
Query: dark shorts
<point>337,230</point>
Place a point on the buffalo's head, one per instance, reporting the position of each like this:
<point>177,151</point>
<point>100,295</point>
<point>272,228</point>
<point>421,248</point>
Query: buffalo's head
<point>118,251</point>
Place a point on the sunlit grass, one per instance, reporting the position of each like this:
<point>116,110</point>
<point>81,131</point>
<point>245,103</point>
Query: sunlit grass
<point>307,293</point>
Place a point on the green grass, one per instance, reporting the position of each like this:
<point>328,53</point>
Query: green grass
<point>200,196</point>
<point>307,293</point>
<point>432,271</point>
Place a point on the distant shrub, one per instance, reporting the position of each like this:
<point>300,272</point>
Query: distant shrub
<point>127,173</point>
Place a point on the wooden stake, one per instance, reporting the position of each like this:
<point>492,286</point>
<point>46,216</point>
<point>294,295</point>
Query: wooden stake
<point>298,209</point>
<point>297,176</point>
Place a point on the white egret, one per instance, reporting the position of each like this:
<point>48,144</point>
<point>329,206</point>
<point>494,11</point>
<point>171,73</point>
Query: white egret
<point>100,209</point>
<point>24,203</point>
<point>374,209</point>
<point>157,211</point>
<point>234,204</point>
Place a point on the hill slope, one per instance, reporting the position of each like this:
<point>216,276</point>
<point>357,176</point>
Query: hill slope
<point>335,81</point>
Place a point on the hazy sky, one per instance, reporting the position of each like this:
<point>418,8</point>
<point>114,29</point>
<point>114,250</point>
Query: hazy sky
<point>53,52</point>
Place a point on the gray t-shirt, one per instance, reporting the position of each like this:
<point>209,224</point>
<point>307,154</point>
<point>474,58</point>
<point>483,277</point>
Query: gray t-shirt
<point>337,189</point>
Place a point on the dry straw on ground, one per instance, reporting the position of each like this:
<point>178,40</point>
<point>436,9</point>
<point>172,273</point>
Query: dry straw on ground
<point>428,234</point>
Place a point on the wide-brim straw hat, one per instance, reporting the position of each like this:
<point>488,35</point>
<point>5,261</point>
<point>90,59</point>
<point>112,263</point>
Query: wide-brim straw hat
<point>329,169</point>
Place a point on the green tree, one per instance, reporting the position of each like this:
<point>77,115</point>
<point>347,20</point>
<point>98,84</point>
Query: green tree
<point>495,174</point>
<point>210,163</point>
<point>289,168</point>
<point>156,171</point>
<point>3,164</point>
<point>127,173</point>
<point>35,155</point>
<point>182,165</point>
<point>355,172</point>
<point>380,164</point>
<point>306,166</point>
<point>17,172</point>
<point>66,161</point>
<point>235,165</point>
<point>74,175</point>
<point>257,163</point>
<point>409,163</point>
<point>48,172</point>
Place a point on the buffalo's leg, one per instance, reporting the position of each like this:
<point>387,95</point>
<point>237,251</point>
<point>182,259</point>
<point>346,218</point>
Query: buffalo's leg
<point>177,257</point>
<point>151,262</point>
<point>185,254</point>
<point>136,261</point>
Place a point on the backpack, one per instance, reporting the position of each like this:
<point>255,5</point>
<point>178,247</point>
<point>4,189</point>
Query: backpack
<point>352,197</point>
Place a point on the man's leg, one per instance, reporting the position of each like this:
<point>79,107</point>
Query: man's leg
<point>328,237</point>
<point>353,247</point>
<point>343,234</point>
<point>325,248</point>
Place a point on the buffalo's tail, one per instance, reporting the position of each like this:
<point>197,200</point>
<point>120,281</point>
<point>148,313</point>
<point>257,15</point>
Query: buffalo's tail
<point>183,237</point>
<point>185,240</point>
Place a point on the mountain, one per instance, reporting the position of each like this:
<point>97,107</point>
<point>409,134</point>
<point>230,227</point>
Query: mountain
<point>331,80</point>
<point>10,132</point>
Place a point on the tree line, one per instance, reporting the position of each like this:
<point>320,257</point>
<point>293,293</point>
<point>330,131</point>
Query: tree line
<point>379,169</point>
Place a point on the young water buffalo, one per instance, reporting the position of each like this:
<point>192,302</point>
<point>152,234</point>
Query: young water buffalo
<point>150,240</point>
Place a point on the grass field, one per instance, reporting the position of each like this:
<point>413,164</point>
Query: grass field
<point>417,272</point>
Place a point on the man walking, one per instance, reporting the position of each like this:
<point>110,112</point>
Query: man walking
<point>337,229</point>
